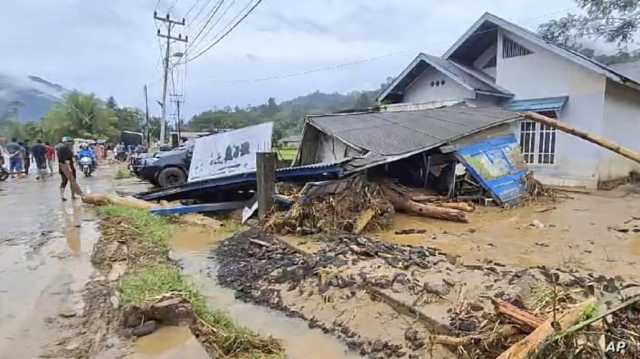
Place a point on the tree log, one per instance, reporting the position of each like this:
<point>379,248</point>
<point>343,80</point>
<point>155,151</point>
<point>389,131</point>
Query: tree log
<point>600,141</point>
<point>364,219</point>
<point>402,203</point>
<point>462,206</point>
<point>105,199</point>
<point>520,316</point>
<point>530,344</point>
<point>504,331</point>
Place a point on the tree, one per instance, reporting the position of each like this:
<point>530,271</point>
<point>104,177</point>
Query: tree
<point>80,115</point>
<point>111,103</point>
<point>362,101</point>
<point>616,21</point>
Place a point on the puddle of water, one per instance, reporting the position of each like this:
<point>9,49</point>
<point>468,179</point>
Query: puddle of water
<point>192,239</point>
<point>191,248</point>
<point>168,343</point>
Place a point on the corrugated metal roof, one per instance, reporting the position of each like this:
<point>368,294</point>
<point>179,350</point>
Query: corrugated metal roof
<point>538,104</point>
<point>403,132</point>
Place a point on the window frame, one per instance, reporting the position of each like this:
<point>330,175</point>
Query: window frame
<point>539,148</point>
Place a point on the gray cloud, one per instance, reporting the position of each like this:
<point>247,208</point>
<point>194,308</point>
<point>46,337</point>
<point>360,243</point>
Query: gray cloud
<point>110,47</point>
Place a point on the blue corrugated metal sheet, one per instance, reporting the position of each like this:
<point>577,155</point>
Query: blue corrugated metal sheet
<point>498,166</point>
<point>538,104</point>
<point>200,189</point>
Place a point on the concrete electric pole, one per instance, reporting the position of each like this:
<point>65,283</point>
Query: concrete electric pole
<point>169,23</point>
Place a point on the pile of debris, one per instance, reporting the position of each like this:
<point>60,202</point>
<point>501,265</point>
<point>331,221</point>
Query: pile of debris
<point>346,206</point>
<point>427,298</point>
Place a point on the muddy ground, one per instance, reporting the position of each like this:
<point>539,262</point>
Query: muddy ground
<point>45,249</point>
<point>387,293</point>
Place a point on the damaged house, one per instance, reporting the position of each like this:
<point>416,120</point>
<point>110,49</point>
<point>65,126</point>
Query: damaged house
<point>499,63</point>
<point>457,149</point>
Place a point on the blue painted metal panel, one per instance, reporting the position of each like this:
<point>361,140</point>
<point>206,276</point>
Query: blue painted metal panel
<point>196,190</point>
<point>538,104</point>
<point>498,166</point>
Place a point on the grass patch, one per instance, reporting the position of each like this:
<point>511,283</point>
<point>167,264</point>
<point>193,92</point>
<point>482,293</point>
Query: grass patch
<point>154,231</point>
<point>155,275</point>
<point>151,281</point>
<point>123,173</point>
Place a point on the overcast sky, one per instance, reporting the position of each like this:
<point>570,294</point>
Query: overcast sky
<point>110,47</point>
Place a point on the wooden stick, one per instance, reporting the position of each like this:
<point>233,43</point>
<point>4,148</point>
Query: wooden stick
<point>600,141</point>
<point>530,344</point>
<point>579,326</point>
<point>520,316</point>
<point>364,219</point>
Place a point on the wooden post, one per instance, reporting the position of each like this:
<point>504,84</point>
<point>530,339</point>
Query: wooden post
<point>265,175</point>
<point>600,141</point>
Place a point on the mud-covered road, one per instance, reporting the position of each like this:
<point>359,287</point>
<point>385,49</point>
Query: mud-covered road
<point>45,248</point>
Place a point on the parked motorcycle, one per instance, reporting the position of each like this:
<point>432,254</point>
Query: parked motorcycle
<point>86,165</point>
<point>121,156</point>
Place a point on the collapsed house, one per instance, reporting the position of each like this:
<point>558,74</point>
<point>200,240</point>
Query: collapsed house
<point>458,150</point>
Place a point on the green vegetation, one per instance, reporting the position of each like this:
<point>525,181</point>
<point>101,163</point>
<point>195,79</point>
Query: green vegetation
<point>286,153</point>
<point>122,173</point>
<point>154,230</point>
<point>614,21</point>
<point>157,276</point>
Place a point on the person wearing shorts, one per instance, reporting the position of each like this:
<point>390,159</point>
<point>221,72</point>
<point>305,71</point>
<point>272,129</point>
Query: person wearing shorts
<point>66,168</point>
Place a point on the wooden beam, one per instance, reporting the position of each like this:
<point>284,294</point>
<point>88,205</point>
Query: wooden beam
<point>265,173</point>
<point>600,141</point>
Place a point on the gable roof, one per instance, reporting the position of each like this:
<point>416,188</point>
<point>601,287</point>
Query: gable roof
<point>464,76</point>
<point>484,24</point>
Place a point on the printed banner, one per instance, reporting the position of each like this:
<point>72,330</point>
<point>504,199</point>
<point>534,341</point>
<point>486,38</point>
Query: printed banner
<point>229,153</point>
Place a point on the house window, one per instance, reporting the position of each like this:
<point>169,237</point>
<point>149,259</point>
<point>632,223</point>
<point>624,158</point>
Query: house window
<point>538,142</point>
<point>511,48</point>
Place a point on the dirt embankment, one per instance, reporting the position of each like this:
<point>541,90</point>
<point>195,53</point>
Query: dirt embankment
<point>387,300</point>
<point>138,289</point>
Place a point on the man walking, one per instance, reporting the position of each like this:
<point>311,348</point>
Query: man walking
<point>15,156</point>
<point>51,156</point>
<point>67,169</point>
<point>26,156</point>
<point>39,152</point>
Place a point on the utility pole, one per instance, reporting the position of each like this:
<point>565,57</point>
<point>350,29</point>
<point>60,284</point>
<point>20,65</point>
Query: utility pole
<point>169,23</point>
<point>146,125</point>
<point>177,100</point>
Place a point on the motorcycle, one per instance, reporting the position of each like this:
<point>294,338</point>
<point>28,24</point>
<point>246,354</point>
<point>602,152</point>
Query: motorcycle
<point>86,165</point>
<point>4,174</point>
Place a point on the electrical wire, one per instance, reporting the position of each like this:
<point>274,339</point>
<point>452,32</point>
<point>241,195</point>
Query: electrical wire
<point>225,34</point>
<point>214,11</point>
<point>195,3</point>
<point>213,26</point>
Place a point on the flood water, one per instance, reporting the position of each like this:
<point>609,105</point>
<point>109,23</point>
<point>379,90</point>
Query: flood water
<point>192,248</point>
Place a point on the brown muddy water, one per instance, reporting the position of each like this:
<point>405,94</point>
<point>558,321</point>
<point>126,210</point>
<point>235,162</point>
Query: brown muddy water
<point>192,246</point>
<point>45,250</point>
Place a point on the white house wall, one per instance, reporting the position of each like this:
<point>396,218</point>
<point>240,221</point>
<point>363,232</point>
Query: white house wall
<point>546,74</point>
<point>420,89</point>
<point>621,125</point>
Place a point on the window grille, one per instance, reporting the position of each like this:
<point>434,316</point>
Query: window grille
<point>537,143</point>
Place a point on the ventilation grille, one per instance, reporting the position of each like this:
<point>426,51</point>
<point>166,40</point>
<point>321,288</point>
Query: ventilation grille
<point>511,48</point>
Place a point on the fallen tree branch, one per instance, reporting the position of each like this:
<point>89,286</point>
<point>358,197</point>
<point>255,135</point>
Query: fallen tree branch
<point>587,322</point>
<point>530,344</point>
<point>504,331</point>
<point>600,141</point>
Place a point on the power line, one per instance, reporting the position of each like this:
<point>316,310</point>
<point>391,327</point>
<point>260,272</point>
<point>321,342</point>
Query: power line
<point>197,16</point>
<point>213,26</point>
<point>195,3</point>
<point>214,11</point>
<point>226,33</point>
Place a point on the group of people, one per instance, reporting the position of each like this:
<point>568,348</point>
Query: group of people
<point>44,156</point>
<point>20,155</point>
